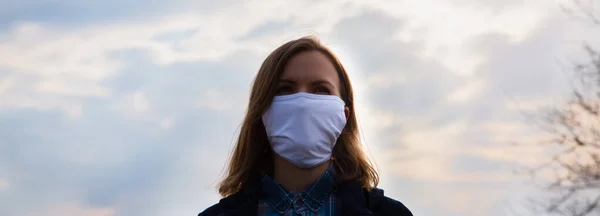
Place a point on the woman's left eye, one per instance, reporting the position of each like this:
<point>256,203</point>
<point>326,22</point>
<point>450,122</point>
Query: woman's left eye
<point>322,90</point>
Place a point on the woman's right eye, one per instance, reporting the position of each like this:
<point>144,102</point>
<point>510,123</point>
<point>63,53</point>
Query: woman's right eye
<point>284,90</point>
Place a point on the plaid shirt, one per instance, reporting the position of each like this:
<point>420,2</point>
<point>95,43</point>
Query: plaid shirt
<point>317,200</point>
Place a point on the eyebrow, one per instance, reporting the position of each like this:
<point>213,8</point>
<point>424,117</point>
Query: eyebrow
<point>286,81</point>
<point>315,82</point>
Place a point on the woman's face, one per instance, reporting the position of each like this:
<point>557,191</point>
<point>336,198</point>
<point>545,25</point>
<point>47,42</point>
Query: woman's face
<point>309,72</point>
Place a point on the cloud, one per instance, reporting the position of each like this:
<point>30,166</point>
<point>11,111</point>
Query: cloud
<point>135,112</point>
<point>77,14</point>
<point>4,184</point>
<point>467,92</point>
<point>74,210</point>
<point>116,153</point>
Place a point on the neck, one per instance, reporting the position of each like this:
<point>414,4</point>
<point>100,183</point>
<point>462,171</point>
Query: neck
<point>293,178</point>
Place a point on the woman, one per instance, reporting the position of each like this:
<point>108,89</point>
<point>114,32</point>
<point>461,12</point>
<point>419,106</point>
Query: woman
<point>298,151</point>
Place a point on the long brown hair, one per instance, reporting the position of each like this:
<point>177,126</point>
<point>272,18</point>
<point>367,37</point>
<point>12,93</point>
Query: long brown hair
<point>253,153</point>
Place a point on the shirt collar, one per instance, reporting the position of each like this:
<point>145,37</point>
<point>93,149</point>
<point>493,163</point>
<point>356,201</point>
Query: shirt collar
<point>317,193</point>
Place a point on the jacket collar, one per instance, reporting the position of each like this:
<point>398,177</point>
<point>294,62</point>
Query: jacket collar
<point>352,196</point>
<point>314,196</point>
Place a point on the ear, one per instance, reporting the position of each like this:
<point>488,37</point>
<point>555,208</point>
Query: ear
<point>347,112</point>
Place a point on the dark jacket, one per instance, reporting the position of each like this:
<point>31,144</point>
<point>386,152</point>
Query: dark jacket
<point>353,200</point>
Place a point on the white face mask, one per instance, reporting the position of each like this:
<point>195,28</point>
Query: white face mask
<point>303,128</point>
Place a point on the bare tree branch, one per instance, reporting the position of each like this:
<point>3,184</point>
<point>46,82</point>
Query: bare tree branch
<point>582,11</point>
<point>574,130</point>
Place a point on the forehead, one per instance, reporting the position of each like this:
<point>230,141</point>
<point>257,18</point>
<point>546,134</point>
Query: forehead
<point>310,66</point>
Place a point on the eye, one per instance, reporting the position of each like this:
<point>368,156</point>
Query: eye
<point>283,90</point>
<point>322,90</point>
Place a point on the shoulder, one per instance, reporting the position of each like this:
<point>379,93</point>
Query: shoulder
<point>213,210</point>
<point>243,201</point>
<point>383,205</point>
<point>224,205</point>
<point>217,209</point>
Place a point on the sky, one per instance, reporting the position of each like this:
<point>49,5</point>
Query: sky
<point>126,108</point>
